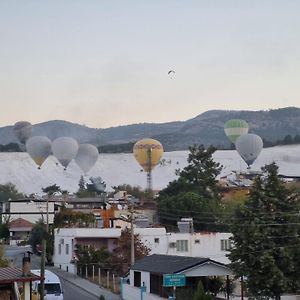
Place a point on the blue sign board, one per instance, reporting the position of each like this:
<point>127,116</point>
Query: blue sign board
<point>173,280</point>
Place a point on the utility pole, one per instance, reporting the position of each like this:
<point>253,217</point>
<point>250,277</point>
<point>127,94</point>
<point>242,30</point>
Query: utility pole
<point>132,235</point>
<point>44,250</point>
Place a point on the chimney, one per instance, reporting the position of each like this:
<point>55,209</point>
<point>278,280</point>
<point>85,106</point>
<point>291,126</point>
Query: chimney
<point>26,266</point>
<point>185,225</point>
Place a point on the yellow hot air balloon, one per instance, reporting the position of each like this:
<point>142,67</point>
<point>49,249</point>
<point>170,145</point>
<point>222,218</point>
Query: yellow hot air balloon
<point>148,152</point>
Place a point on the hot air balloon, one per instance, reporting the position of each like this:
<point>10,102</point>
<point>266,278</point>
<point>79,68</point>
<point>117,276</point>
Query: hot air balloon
<point>148,152</point>
<point>249,147</point>
<point>86,157</point>
<point>171,74</point>
<point>23,131</point>
<point>64,149</point>
<point>39,148</point>
<point>235,128</point>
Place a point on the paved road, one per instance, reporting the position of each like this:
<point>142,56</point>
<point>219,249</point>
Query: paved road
<point>71,292</point>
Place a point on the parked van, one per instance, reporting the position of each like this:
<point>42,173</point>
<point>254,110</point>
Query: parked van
<point>53,289</point>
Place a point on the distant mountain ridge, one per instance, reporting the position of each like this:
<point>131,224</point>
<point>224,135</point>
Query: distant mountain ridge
<point>206,128</point>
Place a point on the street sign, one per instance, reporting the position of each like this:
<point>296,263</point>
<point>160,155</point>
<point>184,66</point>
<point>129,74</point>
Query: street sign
<point>173,280</point>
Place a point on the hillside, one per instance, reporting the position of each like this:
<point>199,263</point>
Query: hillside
<point>116,169</point>
<point>206,128</point>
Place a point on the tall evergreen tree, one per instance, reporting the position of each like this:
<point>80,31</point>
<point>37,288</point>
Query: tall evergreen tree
<point>194,193</point>
<point>200,294</point>
<point>266,241</point>
<point>198,176</point>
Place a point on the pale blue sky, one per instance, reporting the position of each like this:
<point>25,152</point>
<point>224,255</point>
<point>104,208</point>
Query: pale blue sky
<point>105,63</point>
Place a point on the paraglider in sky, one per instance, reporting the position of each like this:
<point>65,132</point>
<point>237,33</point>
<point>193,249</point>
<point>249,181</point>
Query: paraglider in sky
<point>23,131</point>
<point>171,74</point>
<point>39,148</point>
<point>235,128</point>
<point>249,147</point>
<point>64,149</point>
<point>86,157</point>
<point>148,152</point>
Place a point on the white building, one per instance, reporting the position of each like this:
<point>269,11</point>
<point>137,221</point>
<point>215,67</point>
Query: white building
<point>214,245</point>
<point>211,245</point>
<point>31,210</point>
<point>66,241</point>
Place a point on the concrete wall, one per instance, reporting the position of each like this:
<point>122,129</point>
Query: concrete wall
<point>34,211</point>
<point>201,244</point>
<point>133,293</point>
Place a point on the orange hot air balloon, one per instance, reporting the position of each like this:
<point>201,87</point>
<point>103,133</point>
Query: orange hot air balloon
<point>148,152</point>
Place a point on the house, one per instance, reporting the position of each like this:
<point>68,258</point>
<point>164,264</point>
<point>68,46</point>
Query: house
<point>19,230</point>
<point>201,244</point>
<point>214,245</point>
<point>30,209</point>
<point>11,278</point>
<point>147,275</point>
<point>67,240</point>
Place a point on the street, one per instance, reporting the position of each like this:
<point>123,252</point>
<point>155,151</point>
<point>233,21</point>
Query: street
<point>71,292</point>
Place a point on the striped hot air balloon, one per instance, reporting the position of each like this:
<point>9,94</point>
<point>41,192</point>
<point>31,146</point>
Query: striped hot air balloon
<point>235,128</point>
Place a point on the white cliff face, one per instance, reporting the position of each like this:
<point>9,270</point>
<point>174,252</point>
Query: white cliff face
<point>116,169</point>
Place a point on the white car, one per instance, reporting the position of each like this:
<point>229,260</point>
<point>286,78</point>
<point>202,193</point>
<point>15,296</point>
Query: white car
<point>53,290</point>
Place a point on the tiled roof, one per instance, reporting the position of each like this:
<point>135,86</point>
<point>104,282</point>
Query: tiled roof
<point>12,274</point>
<point>168,264</point>
<point>20,223</point>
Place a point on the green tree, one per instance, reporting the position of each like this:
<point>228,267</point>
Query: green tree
<point>4,231</point>
<point>288,140</point>
<point>135,191</point>
<point>297,139</point>
<point>198,176</point>
<point>266,241</point>
<point>51,189</point>
<point>37,234</point>
<point>3,261</point>
<point>66,217</point>
<point>9,191</point>
<point>88,255</point>
<point>200,294</point>
<point>194,193</point>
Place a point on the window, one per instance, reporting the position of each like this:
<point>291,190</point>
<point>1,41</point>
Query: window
<point>59,248</point>
<point>137,279</point>
<point>51,288</point>
<point>67,249</point>
<point>225,245</point>
<point>182,245</point>
<point>172,245</point>
<point>156,240</point>
<point>197,241</point>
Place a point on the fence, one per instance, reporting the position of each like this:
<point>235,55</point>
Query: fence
<point>100,275</point>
